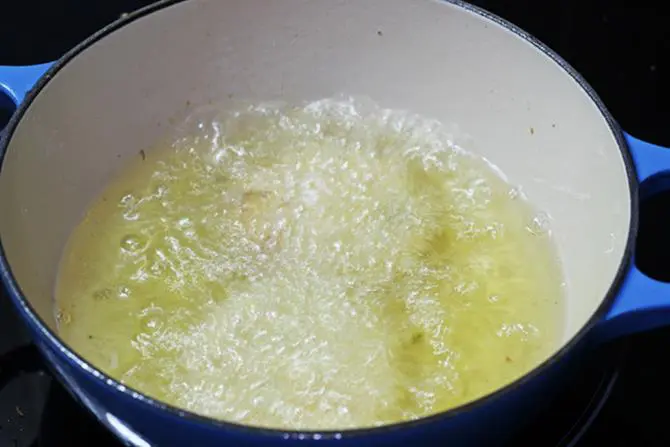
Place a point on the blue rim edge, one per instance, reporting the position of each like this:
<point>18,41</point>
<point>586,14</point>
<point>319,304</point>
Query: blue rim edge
<point>26,308</point>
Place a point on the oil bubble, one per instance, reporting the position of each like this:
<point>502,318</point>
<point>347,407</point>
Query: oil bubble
<point>160,190</point>
<point>123,292</point>
<point>131,215</point>
<point>157,267</point>
<point>152,321</point>
<point>127,200</point>
<point>540,225</point>
<point>63,317</point>
<point>133,244</point>
<point>515,193</point>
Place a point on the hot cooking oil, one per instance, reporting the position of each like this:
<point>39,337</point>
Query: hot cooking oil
<point>315,267</point>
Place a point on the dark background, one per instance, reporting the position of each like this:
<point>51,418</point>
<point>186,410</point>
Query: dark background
<point>622,49</point>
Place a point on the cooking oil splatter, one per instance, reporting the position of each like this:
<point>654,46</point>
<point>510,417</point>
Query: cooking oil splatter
<point>314,267</point>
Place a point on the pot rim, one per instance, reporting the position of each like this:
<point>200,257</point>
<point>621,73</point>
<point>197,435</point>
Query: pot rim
<point>24,306</point>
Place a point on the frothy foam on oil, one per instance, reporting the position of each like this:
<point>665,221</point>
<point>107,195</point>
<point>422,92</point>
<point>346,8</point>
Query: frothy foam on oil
<point>333,265</point>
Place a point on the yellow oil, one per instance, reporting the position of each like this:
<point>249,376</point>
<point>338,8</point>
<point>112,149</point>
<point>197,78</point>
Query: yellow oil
<point>313,267</point>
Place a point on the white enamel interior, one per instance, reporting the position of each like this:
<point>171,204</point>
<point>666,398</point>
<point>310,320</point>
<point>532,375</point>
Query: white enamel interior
<point>122,93</point>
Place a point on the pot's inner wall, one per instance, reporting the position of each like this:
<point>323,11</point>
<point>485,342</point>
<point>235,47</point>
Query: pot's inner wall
<point>512,103</point>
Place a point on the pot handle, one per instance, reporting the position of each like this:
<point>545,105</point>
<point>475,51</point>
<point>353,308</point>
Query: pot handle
<point>643,303</point>
<point>17,81</point>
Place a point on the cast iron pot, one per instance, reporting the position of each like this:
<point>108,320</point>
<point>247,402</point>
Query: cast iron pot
<point>524,107</point>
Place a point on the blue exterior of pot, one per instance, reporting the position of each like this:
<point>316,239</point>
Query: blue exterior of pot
<point>635,303</point>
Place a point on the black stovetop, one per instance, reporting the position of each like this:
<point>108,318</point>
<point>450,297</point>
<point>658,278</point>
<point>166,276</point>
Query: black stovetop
<point>622,49</point>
